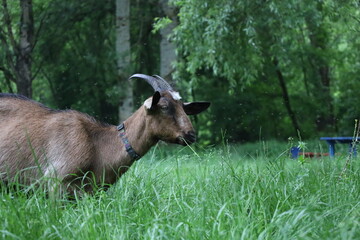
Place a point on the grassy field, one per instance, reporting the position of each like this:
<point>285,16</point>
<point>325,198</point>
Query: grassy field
<point>251,191</point>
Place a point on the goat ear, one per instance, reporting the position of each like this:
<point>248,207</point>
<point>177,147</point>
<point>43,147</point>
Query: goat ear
<point>151,102</point>
<point>194,108</point>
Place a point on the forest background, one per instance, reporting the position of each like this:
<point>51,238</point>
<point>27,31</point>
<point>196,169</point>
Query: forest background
<point>272,69</point>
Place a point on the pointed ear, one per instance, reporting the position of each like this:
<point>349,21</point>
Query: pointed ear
<point>151,102</point>
<point>194,108</point>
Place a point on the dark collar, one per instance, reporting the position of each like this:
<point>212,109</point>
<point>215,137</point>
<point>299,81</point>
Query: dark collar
<point>125,140</point>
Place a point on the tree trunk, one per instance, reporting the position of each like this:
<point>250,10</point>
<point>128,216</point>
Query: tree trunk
<point>286,97</point>
<point>167,48</point>
<point>123,58</point>
<point>321,73</point>
<point>18,54</point>
<point>271,59</point>
<point>23,61</point>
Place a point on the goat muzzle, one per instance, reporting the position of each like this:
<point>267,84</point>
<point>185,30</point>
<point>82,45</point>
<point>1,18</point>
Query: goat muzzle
<point>187,139</point>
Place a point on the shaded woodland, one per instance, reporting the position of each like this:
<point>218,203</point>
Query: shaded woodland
<point>272,69</point>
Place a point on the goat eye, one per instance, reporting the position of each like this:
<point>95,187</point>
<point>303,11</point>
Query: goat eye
<point>164,107</point>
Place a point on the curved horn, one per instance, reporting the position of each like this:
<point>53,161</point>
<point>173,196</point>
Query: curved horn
<point>163,83</point>
<point>157,83</point>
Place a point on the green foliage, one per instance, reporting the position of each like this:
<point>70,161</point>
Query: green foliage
<point>76,60</point>
<point>76,53</point>
<point>229,53</point>
<point>160,23</point>
<point>234,44</point>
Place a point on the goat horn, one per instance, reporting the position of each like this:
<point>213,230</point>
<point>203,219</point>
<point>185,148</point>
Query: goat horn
<point>157,82</point>
<point>163,83</point>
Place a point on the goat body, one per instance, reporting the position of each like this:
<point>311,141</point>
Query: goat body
<point>36,141</point>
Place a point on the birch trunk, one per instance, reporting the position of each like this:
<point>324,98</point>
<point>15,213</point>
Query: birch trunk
<point>167,48</point>
<point>123,58</point>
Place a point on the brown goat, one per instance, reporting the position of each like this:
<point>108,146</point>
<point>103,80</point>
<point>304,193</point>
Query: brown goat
<point>38,142</point>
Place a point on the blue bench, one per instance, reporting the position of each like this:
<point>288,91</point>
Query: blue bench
<point>331,141</point>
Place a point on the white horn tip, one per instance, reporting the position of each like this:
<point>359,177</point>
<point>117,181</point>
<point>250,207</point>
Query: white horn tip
<point>175,95</point>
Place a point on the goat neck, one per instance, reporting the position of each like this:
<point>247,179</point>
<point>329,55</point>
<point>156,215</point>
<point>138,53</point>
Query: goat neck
<point>138,132</point>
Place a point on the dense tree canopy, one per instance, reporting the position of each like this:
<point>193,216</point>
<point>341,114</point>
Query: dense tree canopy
<point>279,63</point>
<point>272,69</point>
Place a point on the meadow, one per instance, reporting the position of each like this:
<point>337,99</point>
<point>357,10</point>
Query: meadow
<point>252,191</point>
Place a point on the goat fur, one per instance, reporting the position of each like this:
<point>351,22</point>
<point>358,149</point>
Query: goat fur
<point>36,141</point>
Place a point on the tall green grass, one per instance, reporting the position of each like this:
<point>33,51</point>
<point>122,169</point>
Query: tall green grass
<point>230,192</point>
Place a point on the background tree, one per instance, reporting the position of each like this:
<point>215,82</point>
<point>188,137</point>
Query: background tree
<point>167,47</point>
<point>76,57</point>
<point>123,58</point>
<point>263,52</point>
<point>18,46</point>
<point>270,68</point>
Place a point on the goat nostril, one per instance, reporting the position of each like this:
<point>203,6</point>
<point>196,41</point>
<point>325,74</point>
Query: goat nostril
<point>191,136</point>
<point>187,138</point>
